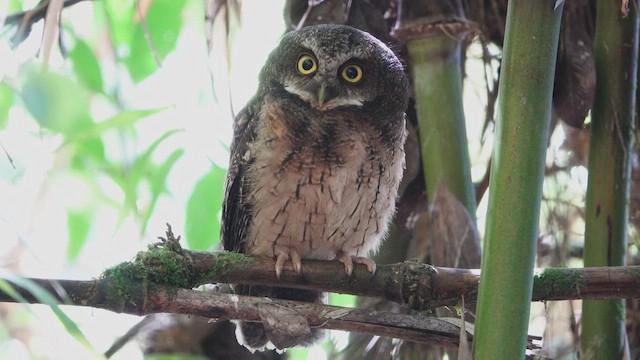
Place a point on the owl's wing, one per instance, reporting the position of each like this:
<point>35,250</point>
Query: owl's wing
<point>236,214</point>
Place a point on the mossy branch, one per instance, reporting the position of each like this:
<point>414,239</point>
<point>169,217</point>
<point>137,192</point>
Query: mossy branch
<point>127,286</point>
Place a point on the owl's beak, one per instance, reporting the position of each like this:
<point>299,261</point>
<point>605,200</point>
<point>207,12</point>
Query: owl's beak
<point>322,93</point>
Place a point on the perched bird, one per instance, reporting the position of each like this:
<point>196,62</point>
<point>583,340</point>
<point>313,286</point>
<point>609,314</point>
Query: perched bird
<point>316,159</point>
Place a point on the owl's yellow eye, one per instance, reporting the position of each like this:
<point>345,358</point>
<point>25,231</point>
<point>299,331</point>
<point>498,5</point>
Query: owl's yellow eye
<point>352,73</point>
<point>307,65</point>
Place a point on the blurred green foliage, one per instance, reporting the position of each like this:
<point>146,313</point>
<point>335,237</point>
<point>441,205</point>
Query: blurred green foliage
<point>56,102</point>
<point>7,285</point>
<point>202,223</point>
<point>135,49</point>
<point>84,103</point>
<point>99,133</point>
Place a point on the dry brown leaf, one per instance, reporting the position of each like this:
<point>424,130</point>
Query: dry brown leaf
<point>469,327</point>
<point>284,327</point>
<point>464,349</point>
<point>453,235</point>
<point>576,141</point>
<point>337,313</point>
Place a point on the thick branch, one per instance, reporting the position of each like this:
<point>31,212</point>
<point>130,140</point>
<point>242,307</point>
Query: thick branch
<point>418,285</point>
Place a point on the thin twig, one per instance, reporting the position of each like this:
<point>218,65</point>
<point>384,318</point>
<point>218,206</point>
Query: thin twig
<point>26,19</point>
<point>6,153</point>
<point>51,29</point>
<point>142,17</point>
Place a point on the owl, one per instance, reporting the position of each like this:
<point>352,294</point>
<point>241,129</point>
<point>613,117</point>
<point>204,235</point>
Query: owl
<point>316,160</point>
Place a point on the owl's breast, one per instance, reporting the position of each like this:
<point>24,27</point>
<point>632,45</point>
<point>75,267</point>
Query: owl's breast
<point>329,190</point>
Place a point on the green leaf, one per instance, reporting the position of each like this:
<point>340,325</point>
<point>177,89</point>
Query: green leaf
<point>122,119</point>
<point>44,297</point>
<point>163,21</point>
<point>85,66</point>
<point>56,102</point>
<point>10,290</point>
<point>78,225</point>
<point>119,14</point>
<point>6,102</point>
<point>157,182</point>
<point>86,153</point>
<point>126,118</point>
<point>202,228</point>
<point>14,6</point>
<point>158,178</point>
<point>298,353</point>
<point>142,164</point>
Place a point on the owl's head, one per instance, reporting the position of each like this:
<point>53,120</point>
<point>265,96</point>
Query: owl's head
<point>333,66</point>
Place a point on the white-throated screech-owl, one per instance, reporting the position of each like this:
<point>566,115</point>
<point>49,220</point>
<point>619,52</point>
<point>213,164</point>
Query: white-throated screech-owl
<point>316,159</point>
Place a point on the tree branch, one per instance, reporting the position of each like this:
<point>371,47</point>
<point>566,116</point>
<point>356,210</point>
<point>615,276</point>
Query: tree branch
<point>26,19</point>
<point>418,285</point>
<point>147,298</point>
<point>36,14</point>
<point>160,280</point>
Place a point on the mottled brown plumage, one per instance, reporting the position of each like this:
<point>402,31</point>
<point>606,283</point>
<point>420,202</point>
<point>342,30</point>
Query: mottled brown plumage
<point>316,159</point>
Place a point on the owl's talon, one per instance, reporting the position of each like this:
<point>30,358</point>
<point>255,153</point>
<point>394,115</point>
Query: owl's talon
<point>369,263</point>
<point>280,260</point>
<point>295,260</point>
<point>346,260</point>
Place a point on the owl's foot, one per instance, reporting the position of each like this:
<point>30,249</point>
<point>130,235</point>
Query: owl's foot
<point>348,261</point>
<point>282,258</point>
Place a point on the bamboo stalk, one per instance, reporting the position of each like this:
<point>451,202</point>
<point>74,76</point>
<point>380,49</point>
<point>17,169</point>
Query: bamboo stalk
<point>607,213</point>
<point>436,72</point>
<point>522,126</point>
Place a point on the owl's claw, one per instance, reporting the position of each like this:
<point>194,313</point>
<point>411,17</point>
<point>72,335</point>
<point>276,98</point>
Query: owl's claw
<point>282,258</point>
<point>348,261</point>
<point>369,263</point>
<point>295,260</point>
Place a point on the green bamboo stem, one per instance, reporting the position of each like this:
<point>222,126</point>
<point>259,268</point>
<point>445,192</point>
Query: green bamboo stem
<point>522,126</point>
<point>612,117</point>
<point>436,72</point>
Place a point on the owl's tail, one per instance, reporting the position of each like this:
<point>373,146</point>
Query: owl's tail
<point>283,333</point>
